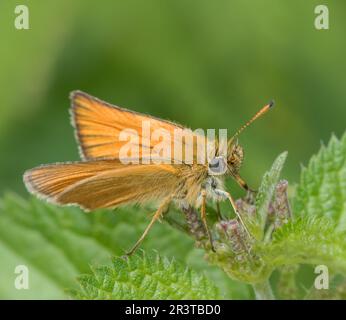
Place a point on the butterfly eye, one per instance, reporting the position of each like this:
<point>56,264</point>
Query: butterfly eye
<point>217,166</point>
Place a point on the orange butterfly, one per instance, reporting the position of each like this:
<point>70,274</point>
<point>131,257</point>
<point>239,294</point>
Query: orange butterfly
<point>103,180</point>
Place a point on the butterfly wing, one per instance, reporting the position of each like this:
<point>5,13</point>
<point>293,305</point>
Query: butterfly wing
<point>99,124</point>
<point>101,184</point>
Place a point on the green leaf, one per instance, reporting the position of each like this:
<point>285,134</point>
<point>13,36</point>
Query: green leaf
<point>59,243</point>
<point>322,187</point>
<point>304,240</point>
<point>265,195</point>
<point>144,277</point>
<point>336,291</point>
<point>286,286</point>
<point>307,240</point>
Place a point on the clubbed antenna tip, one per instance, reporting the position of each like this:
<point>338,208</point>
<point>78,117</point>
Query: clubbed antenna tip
<point>271,103</point>
<point>256,116</point>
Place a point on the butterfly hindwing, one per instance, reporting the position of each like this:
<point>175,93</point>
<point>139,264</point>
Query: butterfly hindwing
<point>101,184</point>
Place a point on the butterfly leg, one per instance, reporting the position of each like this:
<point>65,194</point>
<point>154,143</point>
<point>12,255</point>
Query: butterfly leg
<point>226,195</point>
<point>204,217</point>
<point>155,217</point>
<point>218,210</point>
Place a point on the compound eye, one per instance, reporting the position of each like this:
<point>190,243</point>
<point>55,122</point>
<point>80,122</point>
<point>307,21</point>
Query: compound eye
<point>217,166</point>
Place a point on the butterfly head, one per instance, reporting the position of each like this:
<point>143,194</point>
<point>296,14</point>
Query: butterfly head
<point>235,158</point>
<point>221,165</point>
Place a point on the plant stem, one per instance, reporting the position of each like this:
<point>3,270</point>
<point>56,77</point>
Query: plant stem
<point>176,224</point>
<point>263,291</point>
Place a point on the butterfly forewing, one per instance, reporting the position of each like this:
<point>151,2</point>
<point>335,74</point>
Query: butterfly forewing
<point>99,125</point>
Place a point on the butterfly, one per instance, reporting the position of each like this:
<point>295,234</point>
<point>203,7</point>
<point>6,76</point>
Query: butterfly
<point>106,176</point>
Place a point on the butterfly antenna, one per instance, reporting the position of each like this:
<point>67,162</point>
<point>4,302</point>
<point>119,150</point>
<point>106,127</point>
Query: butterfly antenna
<point>255,117</point>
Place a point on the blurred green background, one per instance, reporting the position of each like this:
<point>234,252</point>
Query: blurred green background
<point>202,63</point>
